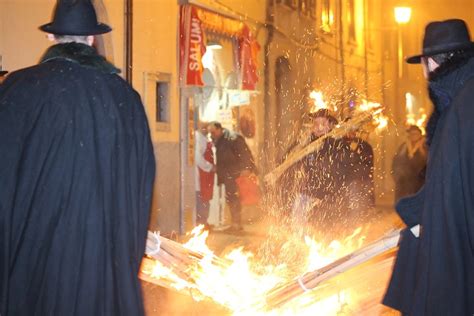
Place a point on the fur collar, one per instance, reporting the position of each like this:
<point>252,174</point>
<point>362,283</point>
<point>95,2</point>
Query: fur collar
<point>81,54</point>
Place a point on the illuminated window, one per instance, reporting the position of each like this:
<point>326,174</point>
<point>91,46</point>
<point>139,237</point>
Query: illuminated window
<point>351,20</point>
<point>308,8</point>
<point>327,16</point>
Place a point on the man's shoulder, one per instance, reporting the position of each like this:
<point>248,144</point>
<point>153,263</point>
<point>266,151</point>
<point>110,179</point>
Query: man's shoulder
<point>231,136</point>
<point>68,74</point>
<point>26,73</point>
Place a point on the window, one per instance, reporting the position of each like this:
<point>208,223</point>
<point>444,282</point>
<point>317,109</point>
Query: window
<point>162,102</point>
<point>351,22</point>
<point>289,3</point>
<point>308,8</point>
<point>157,98</point>
<point>292,3</point>
<point>327,16</point>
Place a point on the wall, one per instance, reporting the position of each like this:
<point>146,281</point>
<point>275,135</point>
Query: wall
<point>155,52</point>
<point>22,43</point>
<point>292,46</point>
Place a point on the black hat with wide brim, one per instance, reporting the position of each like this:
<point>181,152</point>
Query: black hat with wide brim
<point>442,37</point>
<point>75,17</point>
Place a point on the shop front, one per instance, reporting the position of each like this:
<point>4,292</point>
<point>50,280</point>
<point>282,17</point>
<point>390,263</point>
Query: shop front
<point>218,82</point>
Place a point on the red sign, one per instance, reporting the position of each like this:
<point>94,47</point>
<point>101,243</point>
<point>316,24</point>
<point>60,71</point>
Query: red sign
<point>193,22</point>
<point>192,47</point>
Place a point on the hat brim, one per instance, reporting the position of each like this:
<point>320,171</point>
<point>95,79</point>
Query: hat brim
<point>416,59</point>
<point>100,28</point>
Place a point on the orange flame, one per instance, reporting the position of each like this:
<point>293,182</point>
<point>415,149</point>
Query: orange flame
<point>242,290</point>
<point>318,100</point>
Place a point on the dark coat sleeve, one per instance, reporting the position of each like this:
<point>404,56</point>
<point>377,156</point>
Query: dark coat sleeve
<point>402,284</point>
<point>242,151</point>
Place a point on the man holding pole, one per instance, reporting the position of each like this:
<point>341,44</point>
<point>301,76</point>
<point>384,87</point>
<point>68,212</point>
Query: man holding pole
<point>434,271</point>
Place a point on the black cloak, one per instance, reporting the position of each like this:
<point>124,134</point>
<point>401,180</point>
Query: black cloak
<point>233,156</point>
<point>76,174</point>
<point>434,274</point>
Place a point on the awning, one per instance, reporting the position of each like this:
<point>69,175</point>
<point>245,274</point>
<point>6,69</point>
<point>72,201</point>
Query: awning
<point>194,21</point>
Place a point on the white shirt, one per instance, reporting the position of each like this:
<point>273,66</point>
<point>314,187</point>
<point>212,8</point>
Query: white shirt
<point>200,145</point>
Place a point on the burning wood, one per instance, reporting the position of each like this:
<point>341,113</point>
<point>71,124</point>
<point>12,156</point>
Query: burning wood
<point>291,290</point>
<point>194,270</point>
<point>174,258</point>
<point>338,132</point>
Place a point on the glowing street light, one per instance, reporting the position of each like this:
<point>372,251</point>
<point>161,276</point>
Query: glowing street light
<point>402,14</point>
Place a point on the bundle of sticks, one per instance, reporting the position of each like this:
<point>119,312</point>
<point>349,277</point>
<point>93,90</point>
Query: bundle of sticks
<point>176,259</point>
<point>286,292</point>
<point>338,132</point>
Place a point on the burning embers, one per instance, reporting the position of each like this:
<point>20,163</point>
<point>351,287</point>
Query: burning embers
<point>248,287</point>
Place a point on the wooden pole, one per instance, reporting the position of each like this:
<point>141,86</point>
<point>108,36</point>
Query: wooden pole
<point>338,132</point>
<point>286,292</point>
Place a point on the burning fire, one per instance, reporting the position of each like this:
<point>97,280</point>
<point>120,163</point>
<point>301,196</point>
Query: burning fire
<point>379,119</point>
<point>420,122</point>
<point>318,100</point>
<point>368,106</point>
<point>242,283</point>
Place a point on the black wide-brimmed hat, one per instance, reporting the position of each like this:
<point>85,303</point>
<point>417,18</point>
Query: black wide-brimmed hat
<point>442,37</point>
<point>75,17</point>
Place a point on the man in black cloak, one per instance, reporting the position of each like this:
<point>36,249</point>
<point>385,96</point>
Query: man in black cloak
<point>76,175</point>
<point>434,273</point>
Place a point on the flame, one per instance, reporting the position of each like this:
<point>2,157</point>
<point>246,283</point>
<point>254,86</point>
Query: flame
<point>381,121</point>
<point>368,106</point>
<point>198,240</point>
<point>159,271</point>
<point>242,285</point>
<point>318,100</point>
<point>420,122</point>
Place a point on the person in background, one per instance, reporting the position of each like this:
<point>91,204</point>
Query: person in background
<point>205,171</point>
<point>233,159</point>
<point>434,270</point>
<point>409,164</point>
<point>77,168</point>
<point>358,172</point>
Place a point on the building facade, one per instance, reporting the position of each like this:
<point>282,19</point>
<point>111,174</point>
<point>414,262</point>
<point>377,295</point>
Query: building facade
<point>246,60</point>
